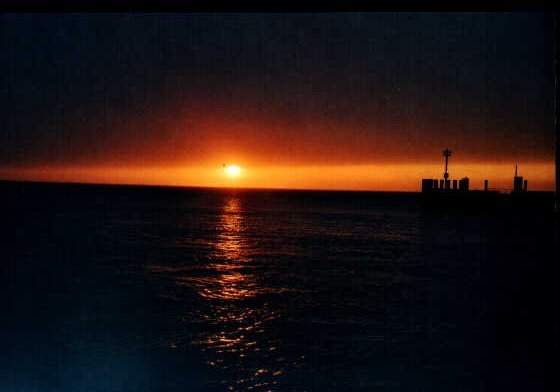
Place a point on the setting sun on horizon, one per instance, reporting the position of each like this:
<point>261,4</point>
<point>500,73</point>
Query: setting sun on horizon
<point>372,177</point>
<point>278,101</point>
<point>232,171</point>
<point>278,201</point>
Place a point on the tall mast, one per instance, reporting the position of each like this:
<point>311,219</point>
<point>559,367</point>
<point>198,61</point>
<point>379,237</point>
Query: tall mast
<point>446,153</point>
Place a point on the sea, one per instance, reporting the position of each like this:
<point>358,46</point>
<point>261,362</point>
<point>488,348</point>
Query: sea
<point>137,288</point>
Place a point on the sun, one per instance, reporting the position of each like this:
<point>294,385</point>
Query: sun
<point>233,171</point>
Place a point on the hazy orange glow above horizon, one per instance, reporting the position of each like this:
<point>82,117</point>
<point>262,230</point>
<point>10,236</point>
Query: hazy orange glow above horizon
<point>269,156</point>
<point>351,101</point>
<point>382,177</point>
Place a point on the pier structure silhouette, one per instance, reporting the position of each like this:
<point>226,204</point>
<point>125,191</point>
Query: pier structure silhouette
<point>455,194</point>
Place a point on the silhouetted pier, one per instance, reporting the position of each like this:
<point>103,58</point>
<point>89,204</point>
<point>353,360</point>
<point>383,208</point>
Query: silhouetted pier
<point>446,194</point>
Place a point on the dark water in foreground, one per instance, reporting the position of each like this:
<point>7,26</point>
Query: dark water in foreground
<point>162,289</point>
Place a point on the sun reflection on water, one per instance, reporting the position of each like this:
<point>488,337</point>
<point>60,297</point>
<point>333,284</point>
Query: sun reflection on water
<point>237,344</point>
<point>232,308</point>
<point>231,244</point>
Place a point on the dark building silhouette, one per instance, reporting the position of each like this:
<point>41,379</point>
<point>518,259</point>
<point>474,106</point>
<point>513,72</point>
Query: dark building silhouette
<point>450,189</point>
<point>443,185</point>
<point>456,195</point>
<point>427,185</point>
<point>517,182</point>
<point>449,186</point>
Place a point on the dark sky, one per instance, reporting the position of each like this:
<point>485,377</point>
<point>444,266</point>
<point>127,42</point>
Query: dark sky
<point>275,89</point>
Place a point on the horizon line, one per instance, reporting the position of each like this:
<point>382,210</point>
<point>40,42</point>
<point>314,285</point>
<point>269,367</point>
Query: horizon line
<point>225,187</point>
<point>202,187</point>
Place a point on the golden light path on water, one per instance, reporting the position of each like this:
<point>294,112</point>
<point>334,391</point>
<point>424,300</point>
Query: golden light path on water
<point>230,306</point>
<point>240,345</point>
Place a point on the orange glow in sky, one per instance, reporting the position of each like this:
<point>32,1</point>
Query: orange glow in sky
<point>382,177</point>
<point>324,101</point>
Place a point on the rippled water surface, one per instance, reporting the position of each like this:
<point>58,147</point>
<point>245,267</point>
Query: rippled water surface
<point>164,289</point>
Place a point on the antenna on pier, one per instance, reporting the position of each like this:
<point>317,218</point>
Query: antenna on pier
<point>446,153</point>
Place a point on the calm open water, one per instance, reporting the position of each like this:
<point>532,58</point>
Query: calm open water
<point>109,288</point>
